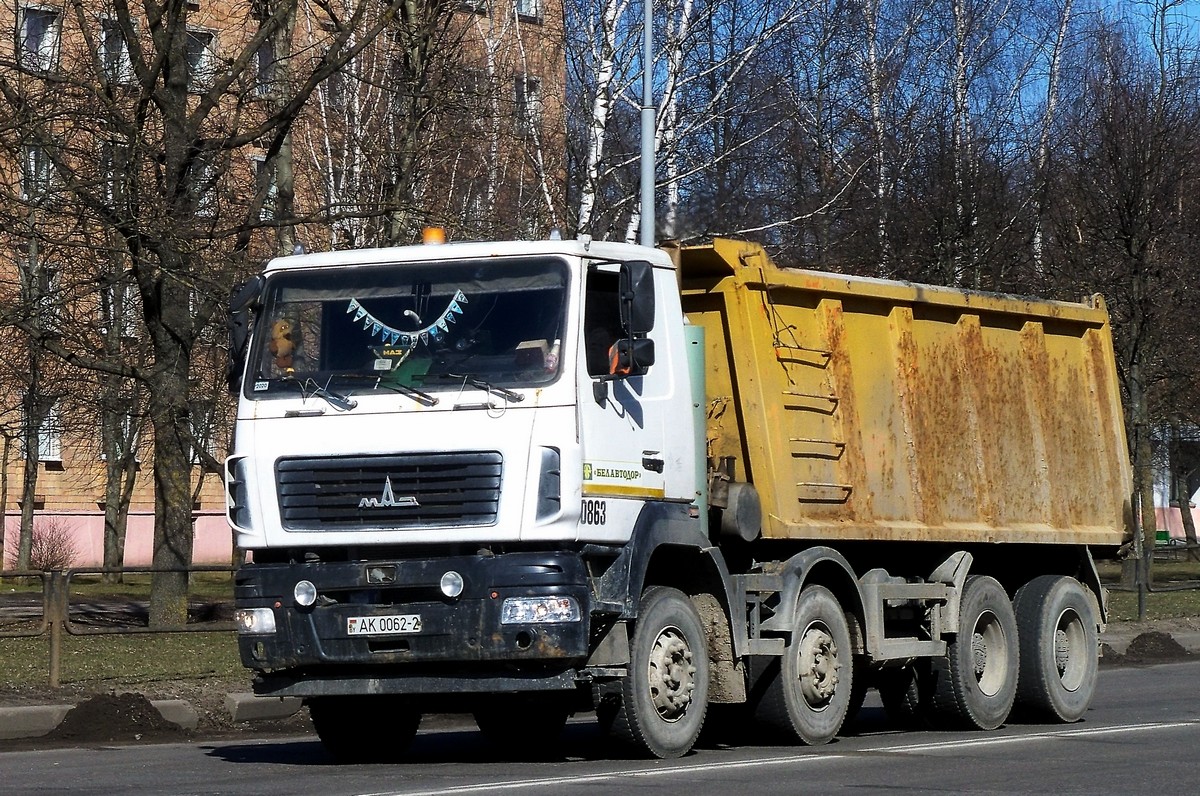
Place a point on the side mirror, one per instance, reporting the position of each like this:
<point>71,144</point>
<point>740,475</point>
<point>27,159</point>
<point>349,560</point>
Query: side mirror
<point>633,357</point>
<point>243,301</point>
<point>636,297</point>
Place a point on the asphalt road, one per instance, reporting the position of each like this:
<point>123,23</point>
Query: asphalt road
<point>1141,736</point>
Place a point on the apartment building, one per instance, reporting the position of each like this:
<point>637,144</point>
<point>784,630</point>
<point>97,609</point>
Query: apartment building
<point>486,158</point>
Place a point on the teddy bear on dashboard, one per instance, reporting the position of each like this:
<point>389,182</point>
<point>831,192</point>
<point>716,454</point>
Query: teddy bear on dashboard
<point>285,339</point>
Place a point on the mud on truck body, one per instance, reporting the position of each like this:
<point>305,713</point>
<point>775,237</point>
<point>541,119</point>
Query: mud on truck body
<point>528,479</point>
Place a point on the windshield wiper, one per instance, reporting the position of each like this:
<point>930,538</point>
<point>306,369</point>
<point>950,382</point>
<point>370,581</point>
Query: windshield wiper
<point>507,395</point>
<point>335,399</point>
<point>420,396</point>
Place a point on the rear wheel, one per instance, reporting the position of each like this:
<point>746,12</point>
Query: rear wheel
<point>364,729</point>
<point>663,699</point>
<point>810,694</point>
<point>1056,623</point>
<point>976,683</point>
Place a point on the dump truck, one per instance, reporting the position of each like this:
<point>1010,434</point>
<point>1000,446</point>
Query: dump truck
<point>529,479</point>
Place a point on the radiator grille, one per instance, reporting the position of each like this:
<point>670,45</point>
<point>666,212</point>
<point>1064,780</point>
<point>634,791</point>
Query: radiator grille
<point>409,491</point>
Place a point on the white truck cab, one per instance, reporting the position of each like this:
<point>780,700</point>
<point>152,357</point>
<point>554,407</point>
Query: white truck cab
<point>439,452</point>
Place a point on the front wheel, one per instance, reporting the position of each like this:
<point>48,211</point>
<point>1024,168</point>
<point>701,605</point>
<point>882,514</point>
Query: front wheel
<point>809,697</point>
<point>364,729</point>
<point>1059,648</point>
<point>976,683</point>
<point>664,697</point>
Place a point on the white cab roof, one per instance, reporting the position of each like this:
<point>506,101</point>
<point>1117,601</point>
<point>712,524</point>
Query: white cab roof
<point>472,251</point>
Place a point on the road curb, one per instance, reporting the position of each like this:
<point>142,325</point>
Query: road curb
<point>30,721</point>
<point>178,711</point>
<point>248,707</point>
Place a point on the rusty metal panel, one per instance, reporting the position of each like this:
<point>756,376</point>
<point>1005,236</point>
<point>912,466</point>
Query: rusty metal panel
<point>870,409</point>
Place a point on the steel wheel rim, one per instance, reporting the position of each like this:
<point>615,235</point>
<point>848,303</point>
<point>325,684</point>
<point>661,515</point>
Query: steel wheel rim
<point>989,651</point>
<point>819,664</point>
<point>1070,658</point>
<point>671,674</point>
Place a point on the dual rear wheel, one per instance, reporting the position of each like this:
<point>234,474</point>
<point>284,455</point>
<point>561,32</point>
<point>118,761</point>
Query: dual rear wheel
<point>1037,652</point>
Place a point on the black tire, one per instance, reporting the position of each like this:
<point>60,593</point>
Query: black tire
<point>1056,623</point>
<point>976,683</point>
<point>809,694</point>
<point>665,696</point>
<point>364,729</point>
<point>528,726</point>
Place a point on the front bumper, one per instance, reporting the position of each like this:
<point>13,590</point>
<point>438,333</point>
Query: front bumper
<point>463,634</point>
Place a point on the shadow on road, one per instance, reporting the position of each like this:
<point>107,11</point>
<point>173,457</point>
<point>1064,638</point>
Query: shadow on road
<point>581,741</point>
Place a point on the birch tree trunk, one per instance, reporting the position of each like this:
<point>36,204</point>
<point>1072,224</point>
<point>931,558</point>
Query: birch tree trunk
<point>1054,75</point>
<point>602,100</point>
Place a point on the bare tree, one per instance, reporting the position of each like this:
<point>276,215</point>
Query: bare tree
<point>1125,209</point>
<point>175,107</point>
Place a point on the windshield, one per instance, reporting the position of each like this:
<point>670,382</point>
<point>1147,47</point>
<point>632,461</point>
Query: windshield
<point>420,326</point>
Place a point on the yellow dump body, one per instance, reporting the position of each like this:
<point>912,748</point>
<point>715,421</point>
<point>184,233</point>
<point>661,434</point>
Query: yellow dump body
<point>864,409</point>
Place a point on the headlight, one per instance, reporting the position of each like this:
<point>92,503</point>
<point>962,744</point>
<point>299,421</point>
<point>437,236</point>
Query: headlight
<point>254,621</point>
<point>536,610</point>
<point>452,584</point>
<point>305,593</point>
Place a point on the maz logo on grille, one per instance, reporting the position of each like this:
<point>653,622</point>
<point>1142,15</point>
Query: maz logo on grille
<point>388,499</point>
<point>393,492</point>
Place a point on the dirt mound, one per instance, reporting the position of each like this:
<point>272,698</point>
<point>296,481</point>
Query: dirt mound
<point>1150,647</point>
<point>1155,646</point>
<point>116,718</point>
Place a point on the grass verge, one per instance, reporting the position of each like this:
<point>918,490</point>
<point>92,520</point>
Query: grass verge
<point>123,660</point>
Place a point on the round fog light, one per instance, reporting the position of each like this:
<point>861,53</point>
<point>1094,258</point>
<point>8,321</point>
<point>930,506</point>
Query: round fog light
<point>452,584</point>
<point>305,593</point>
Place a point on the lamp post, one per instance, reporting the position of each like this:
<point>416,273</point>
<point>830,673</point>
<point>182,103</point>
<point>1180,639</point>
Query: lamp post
<point>647,158</point>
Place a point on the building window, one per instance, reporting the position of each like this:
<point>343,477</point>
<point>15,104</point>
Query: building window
<point>38,32</point>
<point>529,9</point>
<point>114,170</point>
<point>42,284</point>
<point>114,53</point>
<point>204,429</point>
<point>119,310</point>
<point>204,185</point>
<point>201,59</point>
<point>481,7</point>
<point>37,174</point>
<point>264,84</point>
<point>264,174</point>
<point>332,91</point>
<point>49,436</point>
<point>528,104</point>
<point>125,433</point>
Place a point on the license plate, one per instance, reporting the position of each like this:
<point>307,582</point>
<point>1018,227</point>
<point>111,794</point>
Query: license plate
<point>393,625</point>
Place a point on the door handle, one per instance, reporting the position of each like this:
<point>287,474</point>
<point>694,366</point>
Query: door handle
<point>651,464</point>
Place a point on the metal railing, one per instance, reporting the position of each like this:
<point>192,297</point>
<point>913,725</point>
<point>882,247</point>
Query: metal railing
<point>113,614</point>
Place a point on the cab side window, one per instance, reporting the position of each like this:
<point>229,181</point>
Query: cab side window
<point>601,320</point>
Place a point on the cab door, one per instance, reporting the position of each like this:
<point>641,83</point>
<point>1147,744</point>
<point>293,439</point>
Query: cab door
<point>635,429</point>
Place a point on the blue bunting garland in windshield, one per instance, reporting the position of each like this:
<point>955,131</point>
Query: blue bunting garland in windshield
<point>409,339</point>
